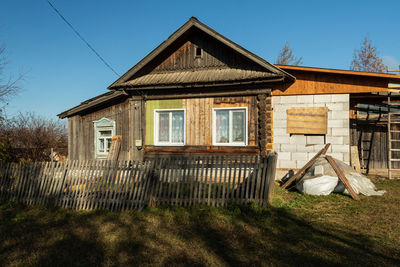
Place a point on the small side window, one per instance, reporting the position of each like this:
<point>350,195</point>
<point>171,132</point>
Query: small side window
<point>198,52</point>
<point>104,130</point>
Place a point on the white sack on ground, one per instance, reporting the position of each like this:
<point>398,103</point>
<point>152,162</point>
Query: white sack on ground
<point>321,179</point>
<point>323,185</point>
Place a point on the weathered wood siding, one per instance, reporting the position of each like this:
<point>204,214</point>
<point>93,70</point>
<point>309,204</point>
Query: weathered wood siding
<point>198,122</point>
<point>214,55</point>
<point>372,143</point>
<point>198,125</point>
<point>309,83</point>
<point>81,131</point>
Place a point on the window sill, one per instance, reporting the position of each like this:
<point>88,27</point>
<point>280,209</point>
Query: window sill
<point>227,144</point>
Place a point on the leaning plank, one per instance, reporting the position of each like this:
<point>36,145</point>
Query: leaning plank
<point>342,177</point>
<point>305,167</point>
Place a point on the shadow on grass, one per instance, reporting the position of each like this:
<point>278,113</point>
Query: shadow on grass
<point>197,236</point>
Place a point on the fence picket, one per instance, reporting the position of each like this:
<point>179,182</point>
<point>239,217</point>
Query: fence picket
<point>25,181</point>
<point>137,177</point>
<point>30,179</point>
<point>105,171</point>
<point>19,190</point>
<point>76,186</point>
<point>3,179</point>
<point>133,187</point>
<point>177,180</point>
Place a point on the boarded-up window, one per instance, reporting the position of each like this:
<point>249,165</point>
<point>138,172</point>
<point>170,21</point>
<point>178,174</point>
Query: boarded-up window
<point>307,120</point>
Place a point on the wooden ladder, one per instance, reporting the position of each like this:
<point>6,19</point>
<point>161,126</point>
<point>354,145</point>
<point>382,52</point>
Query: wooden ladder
<point>393,119</point>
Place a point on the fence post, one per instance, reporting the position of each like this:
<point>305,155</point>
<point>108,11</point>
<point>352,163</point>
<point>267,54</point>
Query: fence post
<point>271,170</point>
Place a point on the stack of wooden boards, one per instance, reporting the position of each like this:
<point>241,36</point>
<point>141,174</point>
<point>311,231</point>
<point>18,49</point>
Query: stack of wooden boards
<point>297,178</point>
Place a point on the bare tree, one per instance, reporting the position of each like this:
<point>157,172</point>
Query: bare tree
<point>286,57</point>
<point>366,58</point>
<point>8,84</point>
<point>31,137</point>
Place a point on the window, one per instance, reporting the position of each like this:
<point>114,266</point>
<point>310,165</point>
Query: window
<point>104,130</point>
<point>230,126</point>
<point>169,127</point>
<point>199,52</point>
<point>104,137</point>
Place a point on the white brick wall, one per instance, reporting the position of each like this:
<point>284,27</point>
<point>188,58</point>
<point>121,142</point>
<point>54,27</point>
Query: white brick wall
<point>305,99</point>
<point>295,151</point>
<point>322,99</point>
<point>315,140</point>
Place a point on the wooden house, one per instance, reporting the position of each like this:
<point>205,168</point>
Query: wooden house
<point>199,92</point>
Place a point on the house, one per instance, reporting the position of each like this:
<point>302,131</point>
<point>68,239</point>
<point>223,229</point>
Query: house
<point>199,92</point>
<point>344,94</point>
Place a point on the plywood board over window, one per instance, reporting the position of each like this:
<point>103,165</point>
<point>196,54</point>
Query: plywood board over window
<point>307,120</point>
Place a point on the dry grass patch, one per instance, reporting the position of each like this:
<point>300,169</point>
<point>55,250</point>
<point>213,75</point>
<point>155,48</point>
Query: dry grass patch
<point>295,230</point>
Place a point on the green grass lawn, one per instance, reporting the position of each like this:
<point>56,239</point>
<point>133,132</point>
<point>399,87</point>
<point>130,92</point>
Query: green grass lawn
<point>295,230</point>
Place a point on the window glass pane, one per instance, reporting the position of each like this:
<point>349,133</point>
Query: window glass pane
<point>163,126</point>
<point>108,144</point>
<point>105,133</point>
<point>101,145</point>
<point>177,127</point>
<point>222,126</point>
<point>238,126</point>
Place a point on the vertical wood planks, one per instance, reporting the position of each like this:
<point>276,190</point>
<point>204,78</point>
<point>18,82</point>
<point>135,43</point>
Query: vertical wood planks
<point>178,180</point>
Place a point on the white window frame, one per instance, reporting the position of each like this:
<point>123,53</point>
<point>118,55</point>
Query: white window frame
<point>156,128</point>
<point>214,128</point>
<point>97,128</point>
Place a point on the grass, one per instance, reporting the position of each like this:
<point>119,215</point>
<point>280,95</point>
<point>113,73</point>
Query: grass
<point>296,230</point>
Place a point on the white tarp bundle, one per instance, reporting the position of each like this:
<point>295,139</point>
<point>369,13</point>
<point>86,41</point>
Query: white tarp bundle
<point>321,179</point>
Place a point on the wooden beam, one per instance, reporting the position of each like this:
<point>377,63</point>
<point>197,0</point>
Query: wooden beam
<point>301,172</point>
<point>354,159</point>
<point>342,177</point>
<point>115,148</point>
<point>208,94</point>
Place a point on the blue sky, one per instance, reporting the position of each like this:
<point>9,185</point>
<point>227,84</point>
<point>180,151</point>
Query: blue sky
<point>62,71</point>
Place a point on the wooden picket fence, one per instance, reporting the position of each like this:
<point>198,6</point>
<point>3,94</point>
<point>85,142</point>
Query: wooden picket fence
<point>123,185</point>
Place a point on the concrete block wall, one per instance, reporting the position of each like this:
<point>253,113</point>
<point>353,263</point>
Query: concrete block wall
<point>295,151</point>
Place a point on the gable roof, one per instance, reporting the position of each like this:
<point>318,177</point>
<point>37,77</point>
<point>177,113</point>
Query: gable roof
<point>148,79</point>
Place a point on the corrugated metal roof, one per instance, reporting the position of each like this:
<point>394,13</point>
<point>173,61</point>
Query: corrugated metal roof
<point>198,76</point>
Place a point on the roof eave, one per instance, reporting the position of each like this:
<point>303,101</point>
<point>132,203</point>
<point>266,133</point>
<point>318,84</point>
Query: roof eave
<point>92,103</point>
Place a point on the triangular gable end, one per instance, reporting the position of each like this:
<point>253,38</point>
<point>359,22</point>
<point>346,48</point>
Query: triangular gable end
<point>216,58</point>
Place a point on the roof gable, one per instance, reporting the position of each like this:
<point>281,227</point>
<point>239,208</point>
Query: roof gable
<point>177,54</point>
